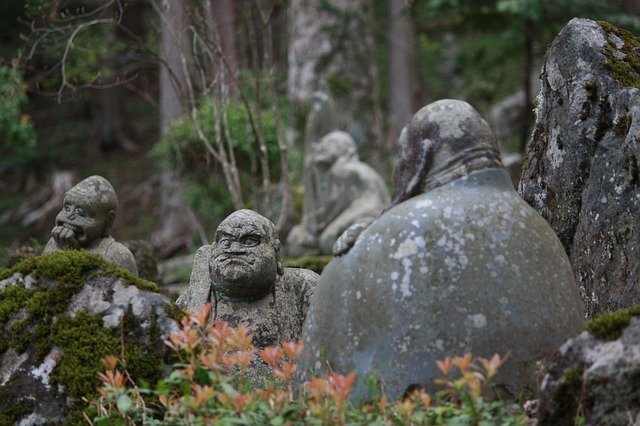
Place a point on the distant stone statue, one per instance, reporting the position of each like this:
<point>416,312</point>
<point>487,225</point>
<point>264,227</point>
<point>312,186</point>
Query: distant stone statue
<point>85,221</point>
<point>242,275</point>
<point>458,264</point>
<point>343,191</point>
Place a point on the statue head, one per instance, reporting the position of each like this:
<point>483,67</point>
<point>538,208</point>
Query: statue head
<point>445,140</point>
<point>88,211</point>
<point>333,146</point>
<point>245,257</point>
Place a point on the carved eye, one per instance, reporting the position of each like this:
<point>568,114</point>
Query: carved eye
<point>225,242</point>
<point>67,208</point>
<point>250,241</point>
<point>80,212</point>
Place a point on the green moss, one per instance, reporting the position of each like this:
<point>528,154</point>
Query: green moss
<point>604,118</point>
<point>174,312</point>
<point>314,262</point>
<point>339,86</point>
<point>565,399</point>
<point>84,343</point>
<point>623,124</point>
<point>626,70</point>
<point>37,317</point>
<point>13,299</point>
<point>609,325</point>
<point>592,91</point>
<point>15,412</point>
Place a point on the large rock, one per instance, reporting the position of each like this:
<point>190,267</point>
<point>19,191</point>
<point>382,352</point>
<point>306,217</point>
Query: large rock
<point>581,170</point>
<point>60,314</point>
<point>458,264</point>
<point>596,375</point>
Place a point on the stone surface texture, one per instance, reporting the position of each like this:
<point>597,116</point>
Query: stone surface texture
<point>581,166</point>
<point>85,222</point>
<point>341,191</point>
<point>600,376</point>
<point>23,380</point>
<point>459,264</point>
<point>248,284</point>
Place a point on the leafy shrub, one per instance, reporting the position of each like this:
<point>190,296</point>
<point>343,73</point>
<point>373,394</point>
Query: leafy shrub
<point>16,130</point>
<point>210,385</point>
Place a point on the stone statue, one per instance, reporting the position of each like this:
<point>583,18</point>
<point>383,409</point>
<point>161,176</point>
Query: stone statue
<point>242,275</point>
<point>85,222</point>
<point>343,190</point>
<point>459,263</point>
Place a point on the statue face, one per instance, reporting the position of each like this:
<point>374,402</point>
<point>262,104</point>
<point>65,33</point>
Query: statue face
<point>80,222</point>
<point>244,258</point>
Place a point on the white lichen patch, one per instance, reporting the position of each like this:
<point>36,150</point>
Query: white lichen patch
<point>407,248</point>
<point>477,320</point>
<point>9,363</point>
<point>43,371</point>
<point>424,204</point>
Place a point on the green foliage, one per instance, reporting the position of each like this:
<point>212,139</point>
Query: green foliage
<point>609,325</point>
<point>16,130</point>
<point>183,150</point>
<point>314,262</point>
<point>566,400</point>
<point>210,385</point>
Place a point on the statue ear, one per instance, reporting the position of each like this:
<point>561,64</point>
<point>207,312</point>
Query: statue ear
<point>111,216</point>
<point>279,265</point>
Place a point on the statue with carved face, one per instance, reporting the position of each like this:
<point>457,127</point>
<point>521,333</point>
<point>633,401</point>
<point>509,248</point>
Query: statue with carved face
<point>242,275</point>
<point>85,222</point>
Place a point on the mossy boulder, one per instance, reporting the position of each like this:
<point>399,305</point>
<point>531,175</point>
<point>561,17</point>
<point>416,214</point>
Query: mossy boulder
<point>60,315</point>
<point>581,166</point>
<point>596,375</point>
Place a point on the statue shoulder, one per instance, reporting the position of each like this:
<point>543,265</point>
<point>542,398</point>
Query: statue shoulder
<point>118,254</point>
<point>195,296</point>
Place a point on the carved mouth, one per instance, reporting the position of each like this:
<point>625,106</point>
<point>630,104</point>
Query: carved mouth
<point>236,259</point>
<point>76,229</point>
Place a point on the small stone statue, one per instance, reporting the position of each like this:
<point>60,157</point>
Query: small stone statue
<point>459,263</point>
<point>85,222</point>
<point>343,190</point>
<point>242,275</point>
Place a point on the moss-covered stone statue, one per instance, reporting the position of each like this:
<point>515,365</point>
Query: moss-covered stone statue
<point>459,263</point>
<point>242,275</point>
<point>85,222</point>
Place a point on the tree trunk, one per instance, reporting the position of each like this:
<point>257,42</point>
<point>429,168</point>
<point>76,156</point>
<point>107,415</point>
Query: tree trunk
<point>176,221</point>
<point>224,15</point>
<point>331,40</point>
<point>401,69</point>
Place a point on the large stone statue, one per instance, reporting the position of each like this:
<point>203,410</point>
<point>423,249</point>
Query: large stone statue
<point>85,222</point>
<point>458,264</point>
<point>241,274</point>
<point>343,190</point>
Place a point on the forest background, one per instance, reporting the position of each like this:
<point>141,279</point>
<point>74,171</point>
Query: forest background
<point>195,108</point>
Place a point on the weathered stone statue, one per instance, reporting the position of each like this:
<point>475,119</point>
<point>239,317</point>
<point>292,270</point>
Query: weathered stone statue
<point>85,222</point>
<point>241,274</point>
<point>458,264</point>
<point>343,190</point>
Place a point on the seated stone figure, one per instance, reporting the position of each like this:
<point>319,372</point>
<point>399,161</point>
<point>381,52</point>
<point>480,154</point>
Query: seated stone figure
<point>342,190</point>
<point>459,263</point>
<point>242,275</point>
<point>85,222</point>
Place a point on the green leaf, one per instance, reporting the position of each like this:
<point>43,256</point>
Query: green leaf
<point>124,403</point>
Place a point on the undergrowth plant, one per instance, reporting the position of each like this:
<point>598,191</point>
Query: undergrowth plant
<point>211,384</point>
